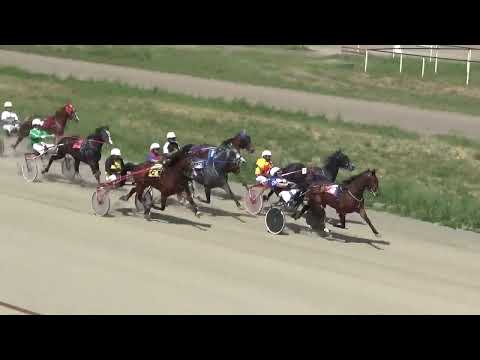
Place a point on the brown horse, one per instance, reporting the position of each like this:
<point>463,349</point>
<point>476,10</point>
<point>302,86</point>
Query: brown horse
<point>53,124</point>
<point>170,180</point>
<point>346,198</point>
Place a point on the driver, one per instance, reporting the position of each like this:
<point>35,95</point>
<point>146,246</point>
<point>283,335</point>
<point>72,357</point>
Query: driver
<point>114,166</point>
<point>38,135</point>
<point>289,194</point>
<point>264,165</point>
<point>171,145</point>
<point>9,118</point>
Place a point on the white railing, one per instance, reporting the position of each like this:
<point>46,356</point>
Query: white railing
<point>432,53</point>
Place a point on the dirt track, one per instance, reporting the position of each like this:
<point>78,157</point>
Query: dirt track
<point>423,121</point>
<point>57,258</point>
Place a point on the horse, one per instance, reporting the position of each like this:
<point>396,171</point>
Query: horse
<point>169,180</point>
<point>53,124</point>
<point>87,150</point>
<point>329,172</point>
<point>346,198</point>
<point>241,141</point>
<point>333,163</point>
<point>214,173</point>
<point>220,161</point>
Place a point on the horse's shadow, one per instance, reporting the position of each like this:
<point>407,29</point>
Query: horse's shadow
<point>55,178</point>
<point>164,218</point>
<point>334,236</point>
<point>333,221</point>
<point>219,212</point>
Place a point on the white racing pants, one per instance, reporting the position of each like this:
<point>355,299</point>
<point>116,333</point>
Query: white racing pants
<point>261,179</point>
<point>287,195</point>
<point>42,147</point>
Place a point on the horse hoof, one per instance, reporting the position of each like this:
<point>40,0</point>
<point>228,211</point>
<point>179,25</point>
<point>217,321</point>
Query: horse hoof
<point>198,214</point>
<point>147,217</point>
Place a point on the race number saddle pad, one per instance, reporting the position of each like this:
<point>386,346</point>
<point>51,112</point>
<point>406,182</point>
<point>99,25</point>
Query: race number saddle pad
<point>156,170</point>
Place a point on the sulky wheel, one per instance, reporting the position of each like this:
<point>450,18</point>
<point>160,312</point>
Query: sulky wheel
<point>253,200</point>
<point>275,221</point>
<point>101,202</point>
<point>30,170</point>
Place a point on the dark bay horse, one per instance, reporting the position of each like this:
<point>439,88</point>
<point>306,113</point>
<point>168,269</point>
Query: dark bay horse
<point>241,141</point>
<point>54,124</point>
<point>87,150</point>
<point>346,198</point>
<point>170,180</point>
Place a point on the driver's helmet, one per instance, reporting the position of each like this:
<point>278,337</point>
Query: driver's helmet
<point>69,109</point>
<point>266,154</point>
<point>171,136</point>
<point>37,122</point>
<point>155,146</point>
<point>8,104</point>
<point>274,171</point>
<point>115,152</point>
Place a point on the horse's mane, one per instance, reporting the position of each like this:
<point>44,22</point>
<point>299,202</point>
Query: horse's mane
<point>332,156</point>
<point>180,154</point>
<point>354,177</point>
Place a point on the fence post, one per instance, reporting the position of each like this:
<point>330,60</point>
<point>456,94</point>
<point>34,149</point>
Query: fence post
<point>423,66</point>
<point>401,62</point>
<point>468,64</point>
<point>431,53</point>
<point>436,60</point>
<point>366,59</point>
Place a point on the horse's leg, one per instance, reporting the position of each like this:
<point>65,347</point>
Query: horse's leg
<point>57,156</point>
<point>305,208</point>
<point>208,193</point>
<point>129,195</point>
<point>95,170</point>
<point>342,221</point>
<point>364,216</point>
<point>267,197</point>
<point>189,197</point>
<point>227,188</point>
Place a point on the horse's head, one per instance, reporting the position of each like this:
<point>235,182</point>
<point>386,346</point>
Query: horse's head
<point>342,161</point>
<point>103,134</point>
<point>372,181</point>
<point>243,141</point>
<point>69,112</point>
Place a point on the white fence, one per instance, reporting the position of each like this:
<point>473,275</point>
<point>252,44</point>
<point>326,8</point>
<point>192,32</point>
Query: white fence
<point>464,54</point>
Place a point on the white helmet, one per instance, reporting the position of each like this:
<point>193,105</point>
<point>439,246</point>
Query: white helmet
<point>8,104</point>
<point>266,153</point>
<point>171,135</point>
<point>274,171</point>
<point>37,122</point>
<point>154,146</point>
<point>115,152</point>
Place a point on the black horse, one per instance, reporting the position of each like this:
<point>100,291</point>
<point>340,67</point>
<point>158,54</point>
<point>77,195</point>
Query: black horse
<point>87,150</point>
<point>329,172</point>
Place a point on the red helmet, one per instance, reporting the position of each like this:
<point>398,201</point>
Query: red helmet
<point>69,109</point>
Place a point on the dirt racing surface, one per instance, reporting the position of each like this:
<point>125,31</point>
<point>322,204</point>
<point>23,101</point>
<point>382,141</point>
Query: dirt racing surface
<point>422,121</point>
<point>56,257</point>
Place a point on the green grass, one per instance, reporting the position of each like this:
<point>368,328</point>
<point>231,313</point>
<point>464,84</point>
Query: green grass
<point>289,66</point>
<point>429,178</point>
